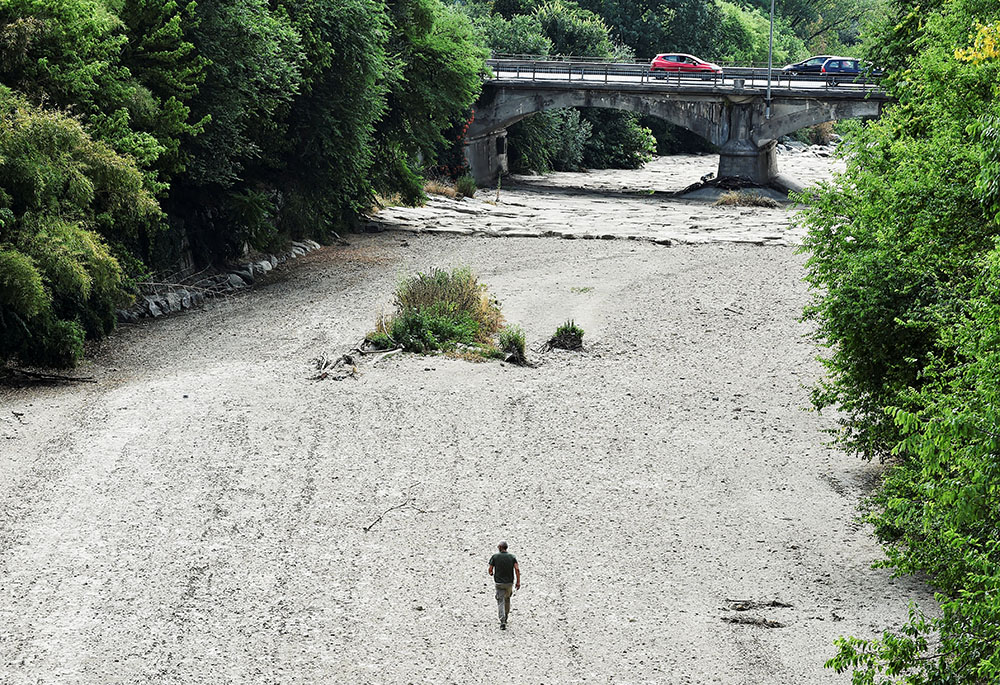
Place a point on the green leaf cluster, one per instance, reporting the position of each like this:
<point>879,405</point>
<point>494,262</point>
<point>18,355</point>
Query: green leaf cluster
<point>904,257</point>
<point>59,191</point>
<point>438,310</point>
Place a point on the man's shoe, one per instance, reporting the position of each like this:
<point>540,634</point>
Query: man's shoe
<point>503,626</point>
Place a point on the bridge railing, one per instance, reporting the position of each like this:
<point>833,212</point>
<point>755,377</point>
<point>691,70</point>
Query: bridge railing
<point>525,57</point>
<point>536,69</point>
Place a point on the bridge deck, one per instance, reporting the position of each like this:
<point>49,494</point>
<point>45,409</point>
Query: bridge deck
<point>690,88</point>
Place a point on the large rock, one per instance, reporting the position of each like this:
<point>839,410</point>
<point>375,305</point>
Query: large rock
<point>235,281</point>
<point>152,306</point>
<point>173,302</point>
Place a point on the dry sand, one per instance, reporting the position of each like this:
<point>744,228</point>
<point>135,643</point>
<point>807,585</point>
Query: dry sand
<point>198,514</point>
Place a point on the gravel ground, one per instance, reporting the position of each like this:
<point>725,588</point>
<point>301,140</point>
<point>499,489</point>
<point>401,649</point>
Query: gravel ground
<point>198,515</point>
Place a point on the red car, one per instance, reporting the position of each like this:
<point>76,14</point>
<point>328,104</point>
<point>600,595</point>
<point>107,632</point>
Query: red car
<point>678,62</point>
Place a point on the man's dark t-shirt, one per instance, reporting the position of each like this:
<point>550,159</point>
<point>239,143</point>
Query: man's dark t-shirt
<point>503,567</point>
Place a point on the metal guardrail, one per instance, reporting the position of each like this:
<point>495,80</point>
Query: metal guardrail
<point>536,69</point>
<point>500,56</point>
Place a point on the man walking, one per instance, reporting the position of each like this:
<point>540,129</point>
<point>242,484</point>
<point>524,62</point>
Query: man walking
<point>503,567</point>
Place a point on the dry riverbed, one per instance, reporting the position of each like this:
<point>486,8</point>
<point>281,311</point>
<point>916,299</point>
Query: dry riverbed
<point>198,515</point>
<point>639,205</point>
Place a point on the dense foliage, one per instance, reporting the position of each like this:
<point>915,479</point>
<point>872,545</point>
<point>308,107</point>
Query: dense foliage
<point>59,191</point>
<point>136,129</point>
<point>905,258</point>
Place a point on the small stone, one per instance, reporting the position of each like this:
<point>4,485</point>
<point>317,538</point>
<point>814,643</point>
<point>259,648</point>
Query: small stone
<point>236,282</point>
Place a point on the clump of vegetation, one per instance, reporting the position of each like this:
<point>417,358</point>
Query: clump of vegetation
<point>569,336</point>
<point>745,198</point>
<point>439,311</point>
<point>466,186</point>
<point>59,281</point>
<point>436,186</point>
<point>511,344</point>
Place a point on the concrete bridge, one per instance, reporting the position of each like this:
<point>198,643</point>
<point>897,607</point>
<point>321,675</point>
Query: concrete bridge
<point>729,111</point>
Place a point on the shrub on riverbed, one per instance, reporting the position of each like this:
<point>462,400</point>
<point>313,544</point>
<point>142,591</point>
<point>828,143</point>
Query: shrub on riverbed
<point>439,310</point>
<point>569,336</point>
<point>466,185</point>
<point>745,198</point>
<point>511,344</point>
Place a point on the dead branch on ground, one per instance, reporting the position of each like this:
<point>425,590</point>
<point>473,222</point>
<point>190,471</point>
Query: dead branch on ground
<point>334,369</point>
<point>23,376</point>
<point>408,502</point>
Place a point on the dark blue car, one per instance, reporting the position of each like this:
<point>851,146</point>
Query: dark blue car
<point>846,69</point>
<point>806,66</point>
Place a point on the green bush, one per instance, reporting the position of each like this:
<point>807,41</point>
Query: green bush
<point>438,310</point>
<point>568,336</point>
<point>58,189</point>
<point>466,185</point>
<point>511,344</point>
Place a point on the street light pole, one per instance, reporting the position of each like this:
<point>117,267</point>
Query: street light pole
<point>770,52</point>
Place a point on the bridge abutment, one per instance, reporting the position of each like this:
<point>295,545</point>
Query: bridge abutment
<point>744,159</point>
<point>487,157</point>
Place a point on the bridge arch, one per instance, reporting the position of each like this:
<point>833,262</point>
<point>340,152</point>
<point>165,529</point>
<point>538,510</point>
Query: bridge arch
<point>791,117</point>
<point>499,110</point>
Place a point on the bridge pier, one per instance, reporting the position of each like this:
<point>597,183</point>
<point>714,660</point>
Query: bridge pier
<point>743,158</point>
<point>487,157</point>
<point>739,154</point>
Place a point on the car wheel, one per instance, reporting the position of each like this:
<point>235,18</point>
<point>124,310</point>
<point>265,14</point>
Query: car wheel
<point>658,74</point>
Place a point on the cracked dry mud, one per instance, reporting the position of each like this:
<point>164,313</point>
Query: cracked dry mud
<point>198,515</point>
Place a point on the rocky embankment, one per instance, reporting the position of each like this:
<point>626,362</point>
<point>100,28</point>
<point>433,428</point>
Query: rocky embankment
<point>158,299</point>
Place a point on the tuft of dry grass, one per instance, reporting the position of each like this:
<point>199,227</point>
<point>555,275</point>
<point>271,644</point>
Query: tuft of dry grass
<point>436,186</point>
<point>744,198</point>
<point>392,200</point>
